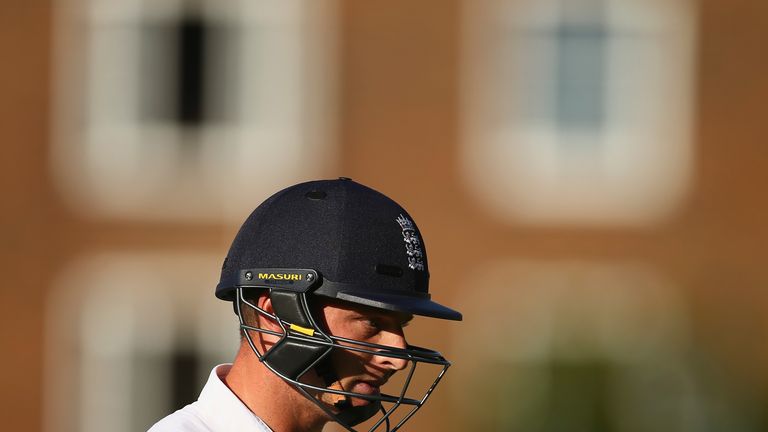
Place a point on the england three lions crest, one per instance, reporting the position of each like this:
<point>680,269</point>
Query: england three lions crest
<point>412,243</point>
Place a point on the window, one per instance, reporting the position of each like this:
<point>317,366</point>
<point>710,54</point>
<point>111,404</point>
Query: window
<point>131,338</point>
<point>578,112</point>
<point>190,110</point>
<point>577,345</point>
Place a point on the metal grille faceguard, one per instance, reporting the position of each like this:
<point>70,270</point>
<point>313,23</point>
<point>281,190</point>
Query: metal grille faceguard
<point>303,347</point>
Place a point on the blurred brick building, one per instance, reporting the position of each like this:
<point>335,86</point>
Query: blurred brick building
<point>617,286</point>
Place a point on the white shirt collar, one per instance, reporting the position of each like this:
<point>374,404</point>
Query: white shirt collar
<point>223,411</point>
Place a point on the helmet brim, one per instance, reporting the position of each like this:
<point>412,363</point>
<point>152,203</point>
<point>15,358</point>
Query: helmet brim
<point>421,306</point>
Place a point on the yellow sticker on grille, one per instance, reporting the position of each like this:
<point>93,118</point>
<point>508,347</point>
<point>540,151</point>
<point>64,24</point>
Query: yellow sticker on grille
<point>303,330</point>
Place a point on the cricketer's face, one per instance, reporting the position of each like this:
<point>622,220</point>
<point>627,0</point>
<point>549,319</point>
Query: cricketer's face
<point>359,372</point>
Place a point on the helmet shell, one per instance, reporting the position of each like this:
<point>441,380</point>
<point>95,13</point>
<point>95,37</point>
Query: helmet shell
<point>364,247</point>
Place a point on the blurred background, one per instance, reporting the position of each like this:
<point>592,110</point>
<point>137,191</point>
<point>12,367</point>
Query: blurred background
<point>586,174</point>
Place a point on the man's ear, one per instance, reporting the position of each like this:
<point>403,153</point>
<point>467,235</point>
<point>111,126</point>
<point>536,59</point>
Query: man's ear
<point>265,303</point>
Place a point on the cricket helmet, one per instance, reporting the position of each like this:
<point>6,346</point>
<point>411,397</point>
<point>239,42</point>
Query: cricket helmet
<point>332,239</point>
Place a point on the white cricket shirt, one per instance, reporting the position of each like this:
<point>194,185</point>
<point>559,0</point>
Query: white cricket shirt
<point>216,410</point>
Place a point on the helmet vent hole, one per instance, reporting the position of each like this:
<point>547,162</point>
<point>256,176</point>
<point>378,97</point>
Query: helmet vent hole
<point>389,270</point>
<point>316,195</point>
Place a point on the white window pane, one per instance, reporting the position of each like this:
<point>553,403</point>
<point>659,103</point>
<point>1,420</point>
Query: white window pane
<point>166,110</point>
<point>602,346</point>
<point>578,112</point>
<point>131,336</point>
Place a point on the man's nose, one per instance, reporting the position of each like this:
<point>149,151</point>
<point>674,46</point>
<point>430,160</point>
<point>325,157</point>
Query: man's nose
<point>395,340</point>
